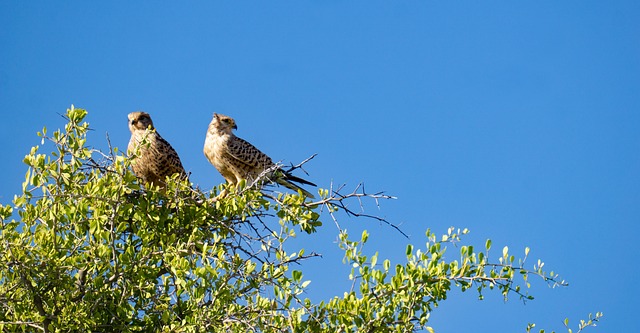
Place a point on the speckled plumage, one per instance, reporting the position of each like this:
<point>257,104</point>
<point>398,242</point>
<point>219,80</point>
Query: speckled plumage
<point>154,159</point>
<point>237,159</point>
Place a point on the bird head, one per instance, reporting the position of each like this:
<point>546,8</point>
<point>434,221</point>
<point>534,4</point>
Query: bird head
<point>139,121</point>
<point>223,124</point>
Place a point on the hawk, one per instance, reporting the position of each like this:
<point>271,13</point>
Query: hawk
<point>237,159</point>
<point>155,159</point>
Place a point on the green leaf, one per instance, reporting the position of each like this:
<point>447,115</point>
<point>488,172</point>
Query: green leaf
<point>297,275</point>
<point>386,265</point>
<point>365,236</point>
<point>374,259</point>
<point>409,250</point>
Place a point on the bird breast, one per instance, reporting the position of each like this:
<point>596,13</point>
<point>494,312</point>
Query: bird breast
<point>214,147</point>
<point>138,136</point>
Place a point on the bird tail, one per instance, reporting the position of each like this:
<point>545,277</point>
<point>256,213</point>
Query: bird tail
<point>286,182</point>
<point>293,178</point>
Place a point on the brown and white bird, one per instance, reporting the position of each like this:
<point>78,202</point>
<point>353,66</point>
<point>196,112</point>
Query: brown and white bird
<point>237,159</point>
<point>155,159</point>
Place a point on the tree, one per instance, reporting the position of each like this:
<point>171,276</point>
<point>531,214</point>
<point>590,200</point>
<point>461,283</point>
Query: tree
<point>86,248</point>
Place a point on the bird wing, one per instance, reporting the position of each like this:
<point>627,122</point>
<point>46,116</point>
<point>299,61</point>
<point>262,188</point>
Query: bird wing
<point>254,162</point>
<point>247,154</point>
<point>170,162</point>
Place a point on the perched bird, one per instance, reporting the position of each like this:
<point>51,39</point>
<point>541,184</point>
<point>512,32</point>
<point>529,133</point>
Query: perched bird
<point>154,159</point>
<point>237,159</point>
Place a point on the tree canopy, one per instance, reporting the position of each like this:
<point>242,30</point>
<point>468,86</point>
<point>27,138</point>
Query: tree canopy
<point>87,248</point>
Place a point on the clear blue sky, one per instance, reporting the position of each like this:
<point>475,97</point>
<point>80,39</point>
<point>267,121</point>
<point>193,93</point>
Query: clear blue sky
<point>519,121</point>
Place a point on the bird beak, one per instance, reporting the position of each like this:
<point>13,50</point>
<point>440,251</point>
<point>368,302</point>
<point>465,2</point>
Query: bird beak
<point>235,127</point>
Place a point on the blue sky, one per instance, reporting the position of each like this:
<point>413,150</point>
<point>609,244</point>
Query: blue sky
<point>519,121</point>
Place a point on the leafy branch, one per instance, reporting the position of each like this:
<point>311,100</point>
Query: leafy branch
<point>186,260</point>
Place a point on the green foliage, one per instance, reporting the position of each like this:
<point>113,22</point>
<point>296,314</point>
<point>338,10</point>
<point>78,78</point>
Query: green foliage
<point>85,248</point>
<point>591,322</point>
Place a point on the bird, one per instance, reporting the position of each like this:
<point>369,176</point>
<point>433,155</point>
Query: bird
<point>153,157</point>
<point>237,159</point>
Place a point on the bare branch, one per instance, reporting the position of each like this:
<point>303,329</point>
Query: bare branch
<point>299,165</point>
<point>339,200</point>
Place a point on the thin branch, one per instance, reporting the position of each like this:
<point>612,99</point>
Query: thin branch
<point>338,199</point>
<point>299,165</point>
<point>20,323</point>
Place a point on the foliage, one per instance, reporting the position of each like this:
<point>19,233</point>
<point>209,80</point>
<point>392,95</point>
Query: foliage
<point>85,248</point>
